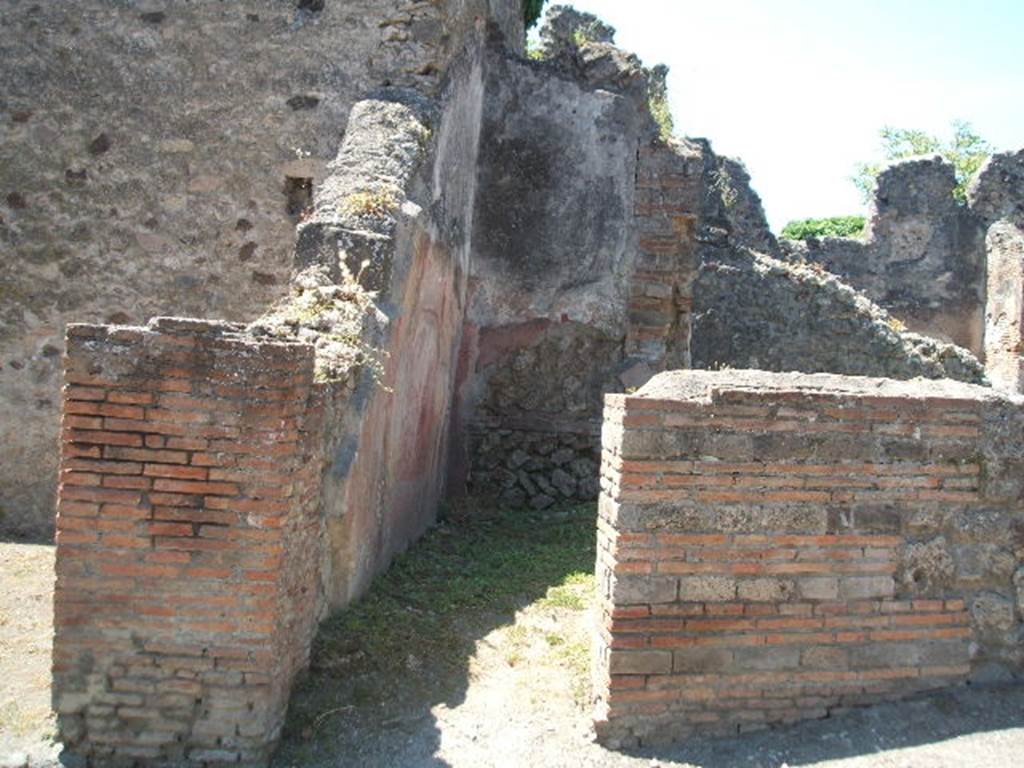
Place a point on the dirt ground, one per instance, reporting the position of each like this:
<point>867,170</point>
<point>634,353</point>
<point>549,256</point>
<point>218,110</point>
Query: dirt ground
<point>519,710</point>
<point>520,701</point>
<point>26,631</point>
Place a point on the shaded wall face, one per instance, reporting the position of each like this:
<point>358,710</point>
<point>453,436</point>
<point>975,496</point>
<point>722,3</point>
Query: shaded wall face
<point>581,266</point>
<point>155,161</point>
<point>389,449</point>
<point>554,197</point>
<point>1004,311</point>
<point>388,469</point>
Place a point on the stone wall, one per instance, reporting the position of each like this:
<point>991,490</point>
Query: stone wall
<point>581,267</point>
<point>775,547</point>
<point>923,256</point>
<point>187,512</point>
<point>754,311</point>
<point>237,482</point>
<point>156,160</point>
<point>391,221</point>
<point>996,196</point>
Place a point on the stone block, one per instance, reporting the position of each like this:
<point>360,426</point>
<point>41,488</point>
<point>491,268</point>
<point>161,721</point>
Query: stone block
<point>866,587</point>
<point>765,590</point>
<point>767,658</point>
<point>628,662</point>
<point>825,657</point>
<point>818,587</point>
<point>884,655</point>
<point>699,589</point>
<point>636,590</point>
<point>701,661</point>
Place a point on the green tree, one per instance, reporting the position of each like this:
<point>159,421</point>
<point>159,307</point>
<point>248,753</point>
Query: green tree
<point>836,226</point>
<point>531,11</point>
<point>966,150</point>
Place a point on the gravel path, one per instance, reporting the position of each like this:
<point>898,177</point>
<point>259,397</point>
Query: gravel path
<point>521,704</point>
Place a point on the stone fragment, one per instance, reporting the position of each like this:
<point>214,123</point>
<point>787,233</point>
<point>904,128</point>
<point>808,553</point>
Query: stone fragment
<point>563,456</point>
<point>926,568</point>
<point>992,614</point>
<point>564,483</point>
<point>517,458</point>
<point>541,501</point>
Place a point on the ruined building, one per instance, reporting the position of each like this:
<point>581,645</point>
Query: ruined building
<point>419,262</point>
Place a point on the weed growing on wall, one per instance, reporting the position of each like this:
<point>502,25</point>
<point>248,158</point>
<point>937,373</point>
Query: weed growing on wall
<point>334,319</point>
<point>662,114</point>
<point>721,182</point>
<point>376,204</point>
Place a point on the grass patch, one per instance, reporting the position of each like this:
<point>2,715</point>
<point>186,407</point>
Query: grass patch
<point>576,658</point>
<point>416,629</point>
<point>574,593</point>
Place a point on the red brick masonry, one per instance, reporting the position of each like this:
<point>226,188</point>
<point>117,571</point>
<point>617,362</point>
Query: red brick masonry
<point>186,541</point>
<point>752,548</point>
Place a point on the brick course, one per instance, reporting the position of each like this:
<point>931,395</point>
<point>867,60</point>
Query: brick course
<point>187,516</point>
<point>755,546</point>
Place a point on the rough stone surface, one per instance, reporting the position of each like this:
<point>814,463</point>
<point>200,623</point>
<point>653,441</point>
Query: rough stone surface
<point>754,311</point>
<point>157,162</point>
<point>997,192</point>
<point>923,256</point>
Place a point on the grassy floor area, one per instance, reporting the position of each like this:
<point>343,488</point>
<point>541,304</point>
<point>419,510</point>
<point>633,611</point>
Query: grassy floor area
<point>412,642</point>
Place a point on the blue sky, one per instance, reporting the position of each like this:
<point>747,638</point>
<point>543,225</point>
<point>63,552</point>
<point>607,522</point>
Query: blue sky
<point>799,90</point>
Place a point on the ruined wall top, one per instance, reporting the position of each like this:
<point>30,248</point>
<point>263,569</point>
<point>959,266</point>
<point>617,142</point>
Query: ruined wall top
<point>997,192</point>
<point>711,386</point>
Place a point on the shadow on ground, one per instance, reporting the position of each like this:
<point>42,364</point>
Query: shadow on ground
<point>967,726</point>
<point>379,668</point>
<point>420,673</point>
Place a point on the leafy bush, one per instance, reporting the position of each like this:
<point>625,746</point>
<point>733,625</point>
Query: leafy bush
<point>531,11</point>
<point>966,150</point>
<point>834,226</point>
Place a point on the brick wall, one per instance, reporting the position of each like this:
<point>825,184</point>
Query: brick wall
<point>775,547</point>
<point>667,198</point>
<point>186,537</point>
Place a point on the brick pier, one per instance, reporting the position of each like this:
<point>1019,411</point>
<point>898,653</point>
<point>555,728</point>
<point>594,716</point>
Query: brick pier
<point>186,539</point>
